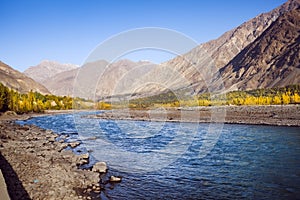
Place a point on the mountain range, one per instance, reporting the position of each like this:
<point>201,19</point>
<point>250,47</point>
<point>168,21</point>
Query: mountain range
<point>260,53</point>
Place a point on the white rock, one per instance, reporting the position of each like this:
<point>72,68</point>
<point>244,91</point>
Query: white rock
<point>51,139</point>
<point>85,156</point>
<point>115,179</point>
<point>83,159</point>
<point>100,167</point>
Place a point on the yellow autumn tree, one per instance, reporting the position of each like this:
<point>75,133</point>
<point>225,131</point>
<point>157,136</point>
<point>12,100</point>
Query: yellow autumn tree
<point>103,105</point>
<point>296,98</point>
<point>286,98</point>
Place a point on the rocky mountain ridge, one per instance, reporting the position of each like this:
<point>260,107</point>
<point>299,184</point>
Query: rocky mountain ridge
<point>16,80</point>
<point>94,80</point>
<point>272,60</point>
<point>215,54</point>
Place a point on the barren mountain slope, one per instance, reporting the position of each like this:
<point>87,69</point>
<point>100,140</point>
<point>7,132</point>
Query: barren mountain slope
<point>272,60</point>
<point>18,81</point>
<point>47,69</point>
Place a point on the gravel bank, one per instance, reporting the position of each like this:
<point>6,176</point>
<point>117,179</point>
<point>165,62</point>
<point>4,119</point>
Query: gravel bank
<point>288,115</point>
<point>36,166</point>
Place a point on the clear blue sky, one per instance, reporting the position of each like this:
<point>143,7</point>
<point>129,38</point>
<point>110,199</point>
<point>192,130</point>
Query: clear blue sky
<point>68,30</point>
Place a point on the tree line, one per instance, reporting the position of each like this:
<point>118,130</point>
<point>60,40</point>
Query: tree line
<point>36,102</point>
<point>31,102</point>
<point>270,96</point>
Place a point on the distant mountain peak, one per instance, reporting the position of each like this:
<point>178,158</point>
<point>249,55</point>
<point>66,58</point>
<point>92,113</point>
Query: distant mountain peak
<point>53,62</point>
<point>47,69</point>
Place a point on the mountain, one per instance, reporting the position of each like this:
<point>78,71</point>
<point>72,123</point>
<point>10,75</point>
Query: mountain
<point>262,52</point>
<point>272,60</point>
<point>18,81</point>
<point>203,68</point>
<point>122,78</point>
<point>61,83</point>
<point>214,55</point>
<point>66,83</point>
<point>47,69</point>
<point>94,80</point>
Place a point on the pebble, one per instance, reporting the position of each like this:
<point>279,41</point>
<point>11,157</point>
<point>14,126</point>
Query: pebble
<point>74,144</point>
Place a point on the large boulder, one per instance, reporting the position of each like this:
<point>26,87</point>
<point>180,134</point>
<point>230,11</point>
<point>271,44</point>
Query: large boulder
<point>100,167</point>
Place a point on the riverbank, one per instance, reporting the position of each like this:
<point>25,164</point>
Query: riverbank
<point>10,115</point>
<point>36,165</point>
<point>285,115</point>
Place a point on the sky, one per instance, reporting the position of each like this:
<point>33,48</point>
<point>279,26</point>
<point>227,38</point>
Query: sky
<point>67,31</point>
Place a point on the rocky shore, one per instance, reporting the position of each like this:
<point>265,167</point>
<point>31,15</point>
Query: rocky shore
<point>285,115</point>
<point>36,165</point>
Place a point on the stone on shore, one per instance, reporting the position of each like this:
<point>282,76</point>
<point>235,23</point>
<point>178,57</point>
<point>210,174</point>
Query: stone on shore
<point>100,167</point>
<point>85,156</point>
<point>83,159</point>
<point>51,139</point>
<point>10,113</point>
<point>74,144</point>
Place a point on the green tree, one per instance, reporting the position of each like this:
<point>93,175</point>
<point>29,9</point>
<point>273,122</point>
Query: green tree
<point>4,98</point>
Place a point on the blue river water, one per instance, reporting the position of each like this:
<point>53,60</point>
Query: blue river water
<point>160,160</point>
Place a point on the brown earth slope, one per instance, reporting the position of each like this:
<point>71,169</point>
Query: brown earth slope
<point>272,60</point>
<point>196,64</point>
<point>18,81</point>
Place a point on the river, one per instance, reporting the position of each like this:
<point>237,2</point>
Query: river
<point>165,160</point>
